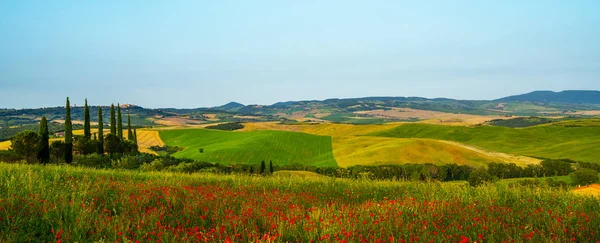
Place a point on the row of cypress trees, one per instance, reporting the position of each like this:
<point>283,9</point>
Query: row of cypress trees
<point>116,129</point>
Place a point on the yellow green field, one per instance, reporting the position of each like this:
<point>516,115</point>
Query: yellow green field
<point>364,150</point>
<point>4,145</point>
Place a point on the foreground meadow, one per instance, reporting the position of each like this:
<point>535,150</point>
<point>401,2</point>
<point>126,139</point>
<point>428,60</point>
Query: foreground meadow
<point>70,204</point>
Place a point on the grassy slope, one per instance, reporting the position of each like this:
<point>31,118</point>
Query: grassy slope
<point>251,147</point>
<point>363,150</point>
<point>578,143</point>
<point>349,148</point>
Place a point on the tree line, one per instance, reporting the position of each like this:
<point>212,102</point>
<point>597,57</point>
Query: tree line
<point>36,147</point>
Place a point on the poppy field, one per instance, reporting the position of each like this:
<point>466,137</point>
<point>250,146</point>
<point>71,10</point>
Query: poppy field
<point>71,204</point>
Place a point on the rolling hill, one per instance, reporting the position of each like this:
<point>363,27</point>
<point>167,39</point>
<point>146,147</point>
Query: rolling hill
<point>251,147</point>
<point>577,143</point>
<point>366,150</point>
<point>567,96</point>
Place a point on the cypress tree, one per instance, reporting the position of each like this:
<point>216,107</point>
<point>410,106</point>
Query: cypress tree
<point>95,137</point>
<point>262,167</point>
<point>87,133</point>
<point>270,167</point>
<point>135,135</point>
<point>251,170</point>
<point>44,153</point>
<point>119,122</point>
<point>113,120</point>
<point>68,134</point>
<point>129,132</point>
<point>100,144</point>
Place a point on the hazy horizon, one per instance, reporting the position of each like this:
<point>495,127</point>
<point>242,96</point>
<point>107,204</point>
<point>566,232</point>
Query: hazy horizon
<point>189,54</point>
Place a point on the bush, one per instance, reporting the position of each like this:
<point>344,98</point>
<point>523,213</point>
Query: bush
<point>584,177</point>
<point>479,177</point>
<point>93,160</point>
<point>130,162</point>
<point>10,157</point>
<point>187,167</point>
<point>556,183</point>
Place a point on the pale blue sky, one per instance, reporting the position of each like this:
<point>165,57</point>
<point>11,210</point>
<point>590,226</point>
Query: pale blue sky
<point>203,53</point>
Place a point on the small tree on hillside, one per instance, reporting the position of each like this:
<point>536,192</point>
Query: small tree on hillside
<point>262,167</point>
<point>68,134</point>
<point>135,135</point>
<point>100,143</point>
<point>87,133</point>
<point>583,177</point>
<point>44,146</point>
<point>270,167</point>
<point>26,144</point>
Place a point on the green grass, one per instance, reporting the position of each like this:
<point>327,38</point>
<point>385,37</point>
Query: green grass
<point>74,204</point>
<point>252,147</point>
<point>576,143</point>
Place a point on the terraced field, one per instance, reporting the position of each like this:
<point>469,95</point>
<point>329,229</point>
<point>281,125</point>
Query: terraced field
<point>577,143</point>
<point>251,147</point>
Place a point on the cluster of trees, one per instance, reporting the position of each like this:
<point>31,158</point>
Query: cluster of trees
<point>227,126</point>
<point>35,146</point>
<point>520,122</point>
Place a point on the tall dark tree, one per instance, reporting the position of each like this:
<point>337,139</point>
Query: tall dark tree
<point>113,120</point>
<point>119,122</point>
<point>270,167</point>
<point>135,135</point>
<point>44,147</point>
<point>68,134</point>
<point>100,144</point>
<point>87,133</point>
<point>129,131</point>
<point>262,167</point>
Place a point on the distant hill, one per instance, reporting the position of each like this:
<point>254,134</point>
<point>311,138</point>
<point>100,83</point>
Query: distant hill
<point>231,106</point>
<point>567,96</point>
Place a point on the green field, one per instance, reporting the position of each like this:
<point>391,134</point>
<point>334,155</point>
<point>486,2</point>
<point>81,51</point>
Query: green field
<point>577,143</point>
<point>226,147</point>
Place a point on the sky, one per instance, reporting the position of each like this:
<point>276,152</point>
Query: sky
<point>202,53</point>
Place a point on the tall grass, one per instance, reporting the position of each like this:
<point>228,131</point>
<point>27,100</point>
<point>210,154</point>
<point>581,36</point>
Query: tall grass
<point>60,203</point>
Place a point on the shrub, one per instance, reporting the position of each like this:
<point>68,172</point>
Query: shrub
<point>186,167</point>
<point>584,177</point>
<point>93,160</point>
<point>479,177</point>
<point>129,162</point>
<point>10,157</point>
<point>556,183</point>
